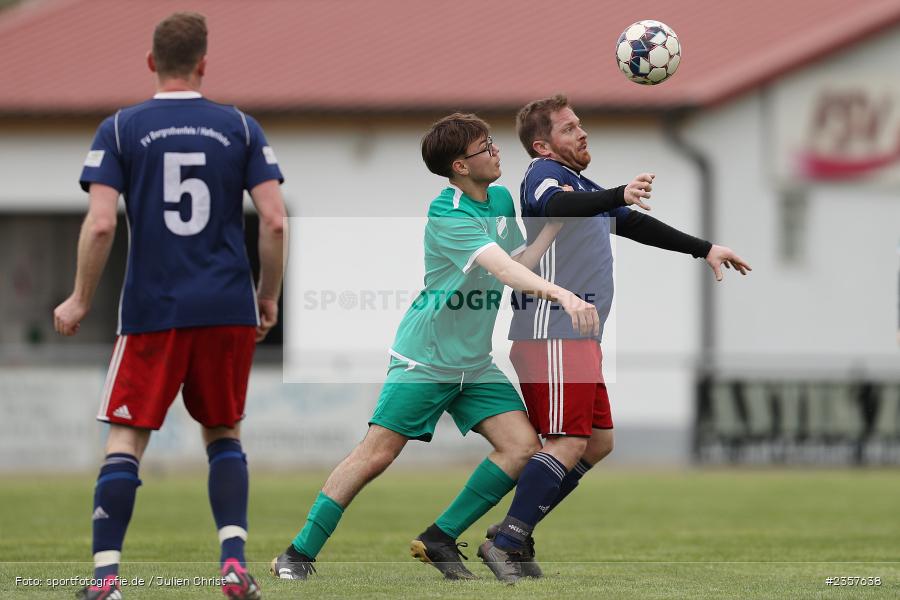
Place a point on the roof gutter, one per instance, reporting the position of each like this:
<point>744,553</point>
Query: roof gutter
<point>673,122</point>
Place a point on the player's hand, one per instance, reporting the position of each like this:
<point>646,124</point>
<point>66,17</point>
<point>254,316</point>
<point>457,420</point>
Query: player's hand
<point>268,316</point>
<point>68,315</point>
<point>722,255</point>
<point>585,319</point>
<point>639,190</point>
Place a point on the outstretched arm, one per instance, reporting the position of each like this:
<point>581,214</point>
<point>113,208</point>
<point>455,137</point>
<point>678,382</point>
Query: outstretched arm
<point>568,203</point>
<point>647,230</point>
<point>94,244</point>
<point>652,232</point>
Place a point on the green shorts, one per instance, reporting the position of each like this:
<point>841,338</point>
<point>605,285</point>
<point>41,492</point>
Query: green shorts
<point>413,398</point>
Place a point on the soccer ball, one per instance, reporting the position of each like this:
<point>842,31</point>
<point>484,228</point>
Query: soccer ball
<point>648,52</point>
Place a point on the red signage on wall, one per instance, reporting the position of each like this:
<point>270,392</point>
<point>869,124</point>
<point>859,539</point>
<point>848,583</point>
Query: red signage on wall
<point>851,134</point>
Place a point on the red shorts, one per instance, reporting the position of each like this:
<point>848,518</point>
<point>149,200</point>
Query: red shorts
<point>148,369</point>
<point>562,383</point>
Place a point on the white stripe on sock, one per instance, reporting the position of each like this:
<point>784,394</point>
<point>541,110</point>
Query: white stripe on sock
<point>230,531</point>
<point>107,557</point>
<point>120,459</point>
<point>551,463</point>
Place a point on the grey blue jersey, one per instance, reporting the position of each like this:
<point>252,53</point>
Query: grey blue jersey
<point>579,259</point>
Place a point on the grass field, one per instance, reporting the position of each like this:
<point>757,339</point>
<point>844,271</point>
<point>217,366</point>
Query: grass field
<point>623,534</point>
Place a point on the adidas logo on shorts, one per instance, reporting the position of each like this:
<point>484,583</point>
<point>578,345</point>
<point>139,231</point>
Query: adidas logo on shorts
<point>122,412</point>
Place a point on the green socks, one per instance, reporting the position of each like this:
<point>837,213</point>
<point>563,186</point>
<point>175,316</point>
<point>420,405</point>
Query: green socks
<point>321,522</point>
<point>485,488</point>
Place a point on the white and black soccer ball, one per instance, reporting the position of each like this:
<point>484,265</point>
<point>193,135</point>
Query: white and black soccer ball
<point>648,52</point>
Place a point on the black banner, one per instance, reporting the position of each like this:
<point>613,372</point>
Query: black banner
<point>753,421</point>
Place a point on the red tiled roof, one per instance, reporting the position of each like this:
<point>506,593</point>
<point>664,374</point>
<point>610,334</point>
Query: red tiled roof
<point>87,56</point>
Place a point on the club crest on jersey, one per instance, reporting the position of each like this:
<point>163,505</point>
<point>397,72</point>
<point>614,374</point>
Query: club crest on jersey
<point>502,230</point>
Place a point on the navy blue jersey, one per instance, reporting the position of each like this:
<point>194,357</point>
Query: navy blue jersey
<point>579,260</point>
<point>182,163</point>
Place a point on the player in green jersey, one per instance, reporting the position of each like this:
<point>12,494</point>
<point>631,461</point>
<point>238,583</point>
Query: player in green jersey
<point>441,356</point>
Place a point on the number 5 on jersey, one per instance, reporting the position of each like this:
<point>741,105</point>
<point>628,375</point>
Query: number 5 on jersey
<point>174,188</point>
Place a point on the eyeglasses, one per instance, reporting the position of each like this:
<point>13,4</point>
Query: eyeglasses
<point>489,147</point>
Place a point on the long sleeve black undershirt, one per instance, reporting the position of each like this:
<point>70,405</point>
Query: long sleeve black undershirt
<point>584,204</point>
<point>653,232</point>
<point>636,226</point>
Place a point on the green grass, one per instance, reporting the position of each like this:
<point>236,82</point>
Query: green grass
<point>623,534</point>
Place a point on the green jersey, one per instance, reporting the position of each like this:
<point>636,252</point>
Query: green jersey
<point>450,324</point>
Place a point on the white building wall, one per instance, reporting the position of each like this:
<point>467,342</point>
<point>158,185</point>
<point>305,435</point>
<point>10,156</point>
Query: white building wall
<point>835,306</point>
<point>41,164</point>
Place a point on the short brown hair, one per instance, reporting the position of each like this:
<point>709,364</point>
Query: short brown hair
<point>448,139</point>
<point>533,121</point>
<point>179,42</point>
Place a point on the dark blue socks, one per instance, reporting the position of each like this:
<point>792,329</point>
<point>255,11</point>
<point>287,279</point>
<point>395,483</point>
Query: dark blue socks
<point>117,486</point>
<point>538,487</point>
<point>114,495</point>
<point>228,490</point>
<point>569,483</point>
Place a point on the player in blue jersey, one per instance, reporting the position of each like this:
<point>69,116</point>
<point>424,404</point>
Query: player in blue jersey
<point>560,370</point>
<point>190,314</point>
<point>441,356</point>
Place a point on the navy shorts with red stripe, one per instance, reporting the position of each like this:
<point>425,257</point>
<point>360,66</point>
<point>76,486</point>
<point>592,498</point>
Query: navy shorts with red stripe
<point>211,366</point>
<point>562,384</point>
